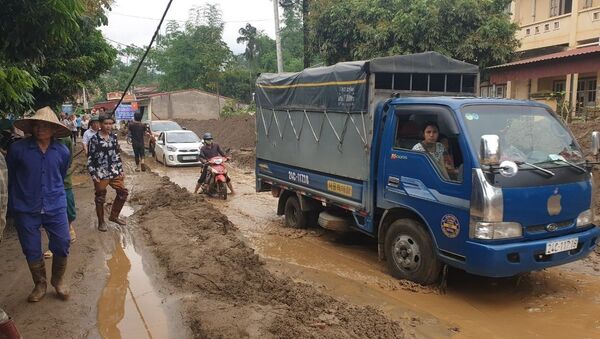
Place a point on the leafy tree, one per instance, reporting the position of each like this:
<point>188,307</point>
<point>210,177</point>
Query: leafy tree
<point>248,35</point>
<point>35,36</point>
<point>193,56</point>
<point>477,31</point>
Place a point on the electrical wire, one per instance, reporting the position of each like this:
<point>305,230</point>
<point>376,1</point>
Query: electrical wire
<point>144,56</point>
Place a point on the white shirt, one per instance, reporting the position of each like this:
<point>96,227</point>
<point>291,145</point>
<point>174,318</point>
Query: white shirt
<point>88,135</point>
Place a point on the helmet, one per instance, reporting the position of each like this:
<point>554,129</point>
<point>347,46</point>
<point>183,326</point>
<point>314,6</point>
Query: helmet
<point>207,136</point>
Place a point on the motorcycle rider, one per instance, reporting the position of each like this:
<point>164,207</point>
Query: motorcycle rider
<point>209,150</point>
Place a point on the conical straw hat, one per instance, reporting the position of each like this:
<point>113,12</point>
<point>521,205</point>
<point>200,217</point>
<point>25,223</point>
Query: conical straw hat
<point>44,114</point>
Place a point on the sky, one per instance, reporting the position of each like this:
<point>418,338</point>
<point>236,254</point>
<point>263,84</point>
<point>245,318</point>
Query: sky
<point>134,21</point>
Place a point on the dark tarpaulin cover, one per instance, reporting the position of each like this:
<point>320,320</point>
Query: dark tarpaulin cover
<point>343,86</point>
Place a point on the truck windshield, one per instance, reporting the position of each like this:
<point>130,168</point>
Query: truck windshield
<point>528,134</point>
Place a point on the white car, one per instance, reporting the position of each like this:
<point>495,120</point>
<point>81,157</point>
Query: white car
<point>178,148</point>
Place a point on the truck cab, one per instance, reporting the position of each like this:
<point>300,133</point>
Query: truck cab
<point>400,149</point>
<point>511,194</point>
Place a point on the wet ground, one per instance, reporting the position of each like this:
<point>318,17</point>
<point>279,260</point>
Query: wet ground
<point>555,303</point>
<point>117,289</point>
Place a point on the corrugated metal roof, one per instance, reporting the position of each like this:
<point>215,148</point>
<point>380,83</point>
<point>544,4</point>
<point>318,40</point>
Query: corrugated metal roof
<point>559,55</point>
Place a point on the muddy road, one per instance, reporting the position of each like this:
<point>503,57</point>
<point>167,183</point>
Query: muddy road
<point>554,303</point>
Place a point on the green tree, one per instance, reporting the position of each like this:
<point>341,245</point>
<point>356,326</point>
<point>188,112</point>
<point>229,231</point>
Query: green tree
<point>35,35</point>
<point>248,35</point>
<point>195,55</point>
<point>477,31</point>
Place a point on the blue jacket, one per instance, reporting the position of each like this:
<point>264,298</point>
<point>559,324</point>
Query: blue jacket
<point>36,179</point>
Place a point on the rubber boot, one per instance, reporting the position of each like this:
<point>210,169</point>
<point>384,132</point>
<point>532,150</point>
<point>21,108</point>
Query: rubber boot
<point>100,214</point>
<point>115,210</point>
<point>8,330</point>
<point>59,266</point>
<point>72,233</point>
<point>38,273</point>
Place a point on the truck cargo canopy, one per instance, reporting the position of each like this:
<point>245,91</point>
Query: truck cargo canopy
<point>343,87</point>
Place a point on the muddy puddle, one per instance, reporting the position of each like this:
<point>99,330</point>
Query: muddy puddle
<point>555,303</point>
<point>130,305</point>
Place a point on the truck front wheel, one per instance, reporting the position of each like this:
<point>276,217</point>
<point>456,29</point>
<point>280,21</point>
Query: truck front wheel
<point>294,217</point>
<point>410,252</point>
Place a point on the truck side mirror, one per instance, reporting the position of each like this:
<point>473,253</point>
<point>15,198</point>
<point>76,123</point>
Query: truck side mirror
<point>489,150</point>
<point>595,142</point>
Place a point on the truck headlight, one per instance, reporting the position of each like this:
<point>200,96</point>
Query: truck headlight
<point>496,230</point>
<point>171,149</point>
<point>585,218</point>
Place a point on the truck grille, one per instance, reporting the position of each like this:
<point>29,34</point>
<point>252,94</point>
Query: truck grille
<point>542,228</point>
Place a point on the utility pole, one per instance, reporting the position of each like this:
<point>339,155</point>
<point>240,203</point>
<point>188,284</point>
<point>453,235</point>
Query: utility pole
<point>305,10</point>
<point>277,37</point>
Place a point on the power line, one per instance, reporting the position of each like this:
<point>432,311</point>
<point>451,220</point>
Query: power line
<point>144,56</point>
<point>185,21</point>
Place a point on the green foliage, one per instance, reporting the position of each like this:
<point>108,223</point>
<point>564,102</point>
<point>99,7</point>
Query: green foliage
<point>193,56</point>
<point>477,31</point>
<point>47,48</point>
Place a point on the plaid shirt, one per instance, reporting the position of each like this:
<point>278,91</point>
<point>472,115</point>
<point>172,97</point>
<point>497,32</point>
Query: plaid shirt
<point>3,193</point>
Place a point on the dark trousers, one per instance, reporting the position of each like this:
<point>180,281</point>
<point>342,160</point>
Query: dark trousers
<point>138,152</point>
<point>30,236</point>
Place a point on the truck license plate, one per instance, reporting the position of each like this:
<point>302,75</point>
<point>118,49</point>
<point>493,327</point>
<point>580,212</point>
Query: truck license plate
<point>189,157</point>
<point>561,246</point>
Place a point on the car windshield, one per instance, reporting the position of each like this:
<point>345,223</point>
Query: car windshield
<point>184,137</point>
<point>527,133</point>
<point>161,126</point>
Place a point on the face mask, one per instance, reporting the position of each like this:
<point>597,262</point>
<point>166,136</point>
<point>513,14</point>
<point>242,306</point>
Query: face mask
<point>208,142</point>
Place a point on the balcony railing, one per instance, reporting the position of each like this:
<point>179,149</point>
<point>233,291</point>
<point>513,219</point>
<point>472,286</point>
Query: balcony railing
<point>545,33</point>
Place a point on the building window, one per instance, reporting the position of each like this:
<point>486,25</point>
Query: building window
<point>557,25</point>
<point>546,27</point>
<point>559,85</point>
<point>588,3</point>
<point>537,29</point>
<point>596,16</point>
<point>500,91</point>
<point>528,31</point>
<point>560,7</point>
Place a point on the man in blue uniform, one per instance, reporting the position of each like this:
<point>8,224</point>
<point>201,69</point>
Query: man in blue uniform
<point>37,167</point>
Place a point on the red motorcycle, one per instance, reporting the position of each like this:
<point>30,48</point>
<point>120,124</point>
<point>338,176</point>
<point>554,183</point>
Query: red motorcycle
<point>217,177</point>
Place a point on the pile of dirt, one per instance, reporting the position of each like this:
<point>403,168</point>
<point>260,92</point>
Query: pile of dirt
<point>228,290</point>
<point>235,132</point>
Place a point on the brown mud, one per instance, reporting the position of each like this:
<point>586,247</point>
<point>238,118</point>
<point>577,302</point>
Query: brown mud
<point>230,292</point>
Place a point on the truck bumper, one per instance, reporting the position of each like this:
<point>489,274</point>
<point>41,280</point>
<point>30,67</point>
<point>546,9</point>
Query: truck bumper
<point>510,259</point>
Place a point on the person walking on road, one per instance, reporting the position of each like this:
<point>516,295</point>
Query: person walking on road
<point>137,130</point>
<point>71,211</point>
<point>87,136</point>
<point>73,127</point>
<point>106,168</point>
<point>37,167</point>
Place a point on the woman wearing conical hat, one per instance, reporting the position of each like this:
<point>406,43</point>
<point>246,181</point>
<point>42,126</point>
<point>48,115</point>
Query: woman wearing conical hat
<point>37,167</point>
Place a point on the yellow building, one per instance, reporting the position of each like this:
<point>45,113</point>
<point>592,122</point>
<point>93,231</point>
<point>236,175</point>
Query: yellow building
<point>559,52</point>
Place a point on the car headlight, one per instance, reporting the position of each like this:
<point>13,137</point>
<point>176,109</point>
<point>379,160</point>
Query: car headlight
<point>585,218</point>
<point>171,149</point>
<point>496,230</point>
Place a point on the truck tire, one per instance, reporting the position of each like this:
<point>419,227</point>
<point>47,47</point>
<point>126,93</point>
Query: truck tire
<point>294,217</point>
<point>410,252</point>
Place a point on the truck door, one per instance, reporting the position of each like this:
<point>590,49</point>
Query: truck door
<point>415,180</point>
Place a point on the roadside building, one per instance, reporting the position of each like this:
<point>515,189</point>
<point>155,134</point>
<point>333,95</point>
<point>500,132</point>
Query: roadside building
<point>184,104</point>
<point>559,54</point>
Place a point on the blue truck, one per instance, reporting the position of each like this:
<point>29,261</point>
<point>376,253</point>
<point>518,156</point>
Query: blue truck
<point>504,190</point>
